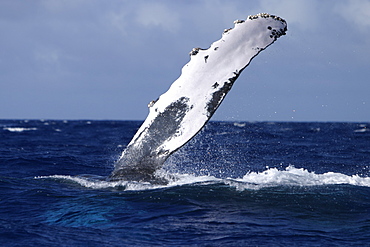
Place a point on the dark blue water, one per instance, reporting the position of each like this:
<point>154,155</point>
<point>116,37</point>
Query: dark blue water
<point>235,184</point>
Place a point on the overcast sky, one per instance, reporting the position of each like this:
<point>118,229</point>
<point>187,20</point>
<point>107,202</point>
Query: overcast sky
<point>94,59</point>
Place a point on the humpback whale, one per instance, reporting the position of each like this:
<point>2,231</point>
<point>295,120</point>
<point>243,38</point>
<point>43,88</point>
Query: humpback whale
<point>181,112</point>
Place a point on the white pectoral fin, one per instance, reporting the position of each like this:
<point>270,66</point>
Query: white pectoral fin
<point>181,112</point>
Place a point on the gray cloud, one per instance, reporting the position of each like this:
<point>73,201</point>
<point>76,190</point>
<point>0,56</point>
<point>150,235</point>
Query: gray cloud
<point>108,59</point>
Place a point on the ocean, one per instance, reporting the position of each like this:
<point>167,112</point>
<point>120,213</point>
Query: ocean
<point>234,184</point>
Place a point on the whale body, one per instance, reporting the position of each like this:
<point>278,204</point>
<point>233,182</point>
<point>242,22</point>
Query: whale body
<point>181,112</point>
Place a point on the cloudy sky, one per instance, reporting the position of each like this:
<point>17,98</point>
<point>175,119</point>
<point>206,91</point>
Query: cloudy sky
<point>93,59</point>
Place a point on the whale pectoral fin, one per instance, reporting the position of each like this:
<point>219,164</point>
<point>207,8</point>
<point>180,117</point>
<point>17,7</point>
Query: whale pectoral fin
<point>181,112</point>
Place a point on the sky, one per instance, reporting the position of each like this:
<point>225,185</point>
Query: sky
<point>106,60</point>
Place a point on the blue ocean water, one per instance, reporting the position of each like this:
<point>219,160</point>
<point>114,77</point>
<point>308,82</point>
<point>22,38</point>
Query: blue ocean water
<point>235,184</point>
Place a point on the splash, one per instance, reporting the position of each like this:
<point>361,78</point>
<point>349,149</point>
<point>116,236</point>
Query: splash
<point>181,179</point>
<point>291,176</point>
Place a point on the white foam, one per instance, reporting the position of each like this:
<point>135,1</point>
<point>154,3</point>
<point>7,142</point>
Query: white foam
<point>18,129</point>
<point>361,130</point>
<point>175,180</point>
<point>241,125</point>
<point>272,177</point>
<point>292,176</point>
<point>86,182</point>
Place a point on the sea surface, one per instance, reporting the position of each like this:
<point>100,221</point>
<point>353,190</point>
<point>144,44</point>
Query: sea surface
<point>234,184</point>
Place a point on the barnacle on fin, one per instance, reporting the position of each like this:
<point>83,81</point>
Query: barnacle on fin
<point>194,51</point>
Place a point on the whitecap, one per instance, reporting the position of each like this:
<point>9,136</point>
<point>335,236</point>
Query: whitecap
<point>361,130</point>
<point>271,177</point>
<point>18,129</point>
<point>241,125</point>
<point>292,176</point>
<point>173,180</point>
<point>86,182</point>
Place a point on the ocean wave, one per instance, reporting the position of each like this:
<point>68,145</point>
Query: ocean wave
<point>95,182</point>
<point>292,176</point>
<point>272,177</point>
